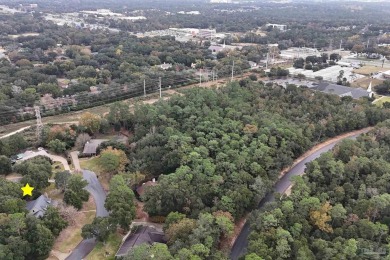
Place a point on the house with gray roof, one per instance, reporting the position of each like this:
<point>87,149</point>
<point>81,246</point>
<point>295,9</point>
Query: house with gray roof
<point>142,235</point>
<point>90,147</point>
<point>38,207</point>
<point>342,91</point>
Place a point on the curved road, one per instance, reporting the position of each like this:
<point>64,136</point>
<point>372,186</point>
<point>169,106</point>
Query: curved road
<point>95,188</point>
<point>240,246</point>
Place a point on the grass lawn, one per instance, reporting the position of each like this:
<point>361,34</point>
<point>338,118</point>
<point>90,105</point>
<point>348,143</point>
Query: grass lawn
<point>379,102</point>
<point>367,70</point>
<point>91,164</point>
<point>110,247</point>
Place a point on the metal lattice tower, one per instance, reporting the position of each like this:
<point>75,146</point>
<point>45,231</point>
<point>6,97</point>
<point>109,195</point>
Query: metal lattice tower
<point>39,122</point>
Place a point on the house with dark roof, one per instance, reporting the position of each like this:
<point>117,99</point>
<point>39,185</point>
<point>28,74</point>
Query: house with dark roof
<point>342,91</point>
<point>91,146</point>
<point>142,235</point>
<point>38,207</point>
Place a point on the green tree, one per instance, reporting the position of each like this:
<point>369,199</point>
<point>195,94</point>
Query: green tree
<point>253,256</point>
<point>75,193</point>
<point>120,203</point>
<point>145,252</point>
<point>61,179</point>
<point>53,221</point>
<point>100,229</point>
<point>5,165</point>
<point>57,146</point>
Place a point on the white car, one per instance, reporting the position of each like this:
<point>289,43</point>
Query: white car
<point>41,149</point>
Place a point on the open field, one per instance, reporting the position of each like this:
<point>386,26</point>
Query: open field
<point>365,82</point>
<point>107,250</point>
<point>367,70</point>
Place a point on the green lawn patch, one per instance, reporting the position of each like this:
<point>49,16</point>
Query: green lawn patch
<point>379,102</point>
<point>107,250</point>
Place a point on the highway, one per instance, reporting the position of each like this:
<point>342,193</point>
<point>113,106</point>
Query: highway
<point>240,246</point>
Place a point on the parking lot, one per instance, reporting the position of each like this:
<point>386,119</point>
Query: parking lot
<point>329,74</point>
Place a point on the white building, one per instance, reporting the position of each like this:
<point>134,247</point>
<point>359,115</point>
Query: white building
<point>281,27</point>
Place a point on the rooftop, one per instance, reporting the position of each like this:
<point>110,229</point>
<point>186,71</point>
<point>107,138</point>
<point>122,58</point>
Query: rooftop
<point>91,146</point>
<point>341,91</point>
<point>38,207</point>
<point>143,234</point>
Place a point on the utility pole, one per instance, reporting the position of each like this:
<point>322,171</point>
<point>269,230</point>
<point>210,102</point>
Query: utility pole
<point>144,88</point>
<point>39,123</point>
<point>200,77</point>
<point>232,71</point>
<point>159,84</point>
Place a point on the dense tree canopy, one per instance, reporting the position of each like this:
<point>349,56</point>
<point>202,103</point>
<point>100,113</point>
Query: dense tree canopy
<point>339,209</point>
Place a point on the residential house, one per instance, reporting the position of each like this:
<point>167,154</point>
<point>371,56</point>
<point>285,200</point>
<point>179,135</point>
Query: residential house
<point>143,235</point>
<point>49,102</point>
<point>91,146</point>
<point>252,64</point>
<point>38,207</point>
<point>166,66</point>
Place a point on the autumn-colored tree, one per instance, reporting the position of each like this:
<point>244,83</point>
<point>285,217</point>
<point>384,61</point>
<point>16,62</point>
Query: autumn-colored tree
<point>320,217</point>
<point>181,229</point>
<point>90,121</point>
<point>113,160</point>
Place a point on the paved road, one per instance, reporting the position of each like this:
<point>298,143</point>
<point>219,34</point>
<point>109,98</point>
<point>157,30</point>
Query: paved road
<point>55,158</point>
<point>241,243</point>
<point>95,188</point>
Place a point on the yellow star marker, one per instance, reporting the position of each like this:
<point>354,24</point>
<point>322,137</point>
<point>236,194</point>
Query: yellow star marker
<point>27,190</point>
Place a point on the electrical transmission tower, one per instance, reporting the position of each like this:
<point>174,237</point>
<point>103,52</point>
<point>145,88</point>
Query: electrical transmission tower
<point>39,123</point>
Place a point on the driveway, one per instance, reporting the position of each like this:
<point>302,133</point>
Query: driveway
<point>75,160</point>
<point>55,158</point>
<point>95,188</point>
<point>241,243</point>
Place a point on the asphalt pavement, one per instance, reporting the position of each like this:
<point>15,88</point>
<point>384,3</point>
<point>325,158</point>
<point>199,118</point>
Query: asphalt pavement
<point>240,246</point>
<point>95,188</point>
